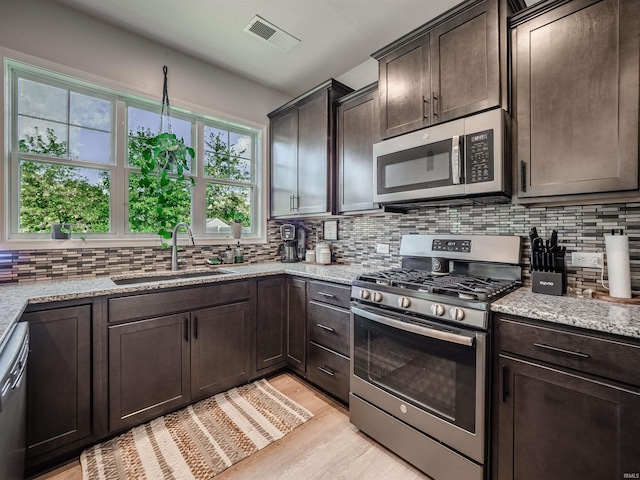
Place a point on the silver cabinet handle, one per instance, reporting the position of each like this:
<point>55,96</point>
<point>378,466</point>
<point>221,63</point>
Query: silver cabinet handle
<point>324,327</point>
<point>435,110</point>
<point>325,370</point>
<point>425,107</point>
<point>560,350</point>
<point>330,295</point>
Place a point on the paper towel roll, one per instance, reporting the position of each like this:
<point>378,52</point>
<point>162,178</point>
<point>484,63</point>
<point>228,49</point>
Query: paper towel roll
<point>618,263</point>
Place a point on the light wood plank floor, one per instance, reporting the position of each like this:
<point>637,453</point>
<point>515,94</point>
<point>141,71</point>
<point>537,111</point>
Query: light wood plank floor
<point>327,447</point>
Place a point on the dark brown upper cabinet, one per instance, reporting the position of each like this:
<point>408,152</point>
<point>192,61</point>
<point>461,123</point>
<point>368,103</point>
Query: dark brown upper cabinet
<point>451,67</point>
<point>358,130</point>
<point>575,91</point>
<point>303,145</point>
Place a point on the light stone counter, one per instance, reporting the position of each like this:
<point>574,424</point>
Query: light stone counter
<point>591,314</point>
<point>15,297</point>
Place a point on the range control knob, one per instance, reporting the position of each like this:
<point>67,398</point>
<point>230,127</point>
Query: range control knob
<point>365,294</point>
<point>404,302</point>
<point>437,309</point>
<point>456,314</point>
<point>377,297</point>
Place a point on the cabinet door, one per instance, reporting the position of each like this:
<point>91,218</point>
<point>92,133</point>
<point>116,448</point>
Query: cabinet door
<point>59,378</point>
<point>220,348</point>
<point>555,425</point>
<point>296,323</point>
<point>577,98</point>
<point>313,134</point>
<point>284,163</point>
<point>358,130</point>
<point>405,89</point>
<point>148,369</point>
<point>271,325</point>
<point>465,63</point>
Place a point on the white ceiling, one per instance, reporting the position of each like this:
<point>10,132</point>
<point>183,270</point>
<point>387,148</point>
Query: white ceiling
<point>337,35</point>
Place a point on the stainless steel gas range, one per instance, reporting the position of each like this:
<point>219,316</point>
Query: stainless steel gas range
<point>420,349</point>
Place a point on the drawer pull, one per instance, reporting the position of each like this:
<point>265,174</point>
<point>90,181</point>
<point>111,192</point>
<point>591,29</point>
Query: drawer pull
<point>324,327</point>
<point>324,294</point>
<point>561,350</point>
<point>324,369</point>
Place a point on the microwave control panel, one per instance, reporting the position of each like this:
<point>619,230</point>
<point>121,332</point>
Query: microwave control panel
<point>479,157</point>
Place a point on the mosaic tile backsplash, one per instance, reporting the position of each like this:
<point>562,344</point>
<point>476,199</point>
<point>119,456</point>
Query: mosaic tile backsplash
<point>580,228</point>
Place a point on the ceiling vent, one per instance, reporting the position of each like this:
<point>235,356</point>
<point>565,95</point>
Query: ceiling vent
<point>264,30</point>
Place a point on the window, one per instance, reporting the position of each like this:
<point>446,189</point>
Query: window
<point>228,170</point>
<point>67,165</point>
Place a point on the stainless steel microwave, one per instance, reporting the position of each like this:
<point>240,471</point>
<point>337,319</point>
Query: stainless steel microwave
<point>461,158</point>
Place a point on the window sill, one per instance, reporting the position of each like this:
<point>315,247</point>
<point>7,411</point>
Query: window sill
<point>89,243</point>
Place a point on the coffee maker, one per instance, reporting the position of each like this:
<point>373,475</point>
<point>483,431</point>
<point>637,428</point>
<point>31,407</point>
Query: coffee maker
<point>289,246</point>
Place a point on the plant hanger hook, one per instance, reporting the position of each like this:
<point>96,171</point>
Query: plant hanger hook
<point>165,101</point>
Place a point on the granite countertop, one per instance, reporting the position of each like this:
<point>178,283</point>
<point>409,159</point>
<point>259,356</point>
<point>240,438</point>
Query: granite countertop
<point>592,314</point>
<point>15,297</point>
<point>595,315</point>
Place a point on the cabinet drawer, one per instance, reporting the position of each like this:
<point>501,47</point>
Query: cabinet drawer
<point>328,370</point>
<point>328,326</point>
<point>329,293</point>
<point>607,358</point>
<point>163,303</point>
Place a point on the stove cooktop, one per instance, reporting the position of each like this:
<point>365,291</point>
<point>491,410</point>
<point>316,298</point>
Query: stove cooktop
<point>467,287</point>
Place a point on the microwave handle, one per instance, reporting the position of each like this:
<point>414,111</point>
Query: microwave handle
<point>456,160</point>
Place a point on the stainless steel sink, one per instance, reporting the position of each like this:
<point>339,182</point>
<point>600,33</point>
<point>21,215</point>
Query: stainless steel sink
<point>127,280</point>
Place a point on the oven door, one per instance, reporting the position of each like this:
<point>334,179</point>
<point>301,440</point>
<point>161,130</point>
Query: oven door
<point>428,375</point>
<point>428,163</point>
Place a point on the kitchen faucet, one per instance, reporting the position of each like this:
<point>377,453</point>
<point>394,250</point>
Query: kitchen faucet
<point>174,244</point>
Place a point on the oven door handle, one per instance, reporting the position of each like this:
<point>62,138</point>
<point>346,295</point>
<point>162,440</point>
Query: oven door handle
<point>418,329</point>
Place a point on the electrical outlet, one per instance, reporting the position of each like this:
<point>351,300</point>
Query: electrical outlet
<point>587,259</point>
<point>382,248</point>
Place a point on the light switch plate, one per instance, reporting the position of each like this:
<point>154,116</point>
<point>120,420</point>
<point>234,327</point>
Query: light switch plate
<point>382,248</point>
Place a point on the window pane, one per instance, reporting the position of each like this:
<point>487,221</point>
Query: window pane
<point>41,136</point>
<point>143,215</point>
<point>226,203</point>
<point>90,112</point>
<point>90,145</point>
<point>241,145</point>
<point>51,193</point>
<point>42,101</point>
<point>220,159</point>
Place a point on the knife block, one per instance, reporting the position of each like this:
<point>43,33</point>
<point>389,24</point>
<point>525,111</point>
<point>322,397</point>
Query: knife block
<point>551,283</point>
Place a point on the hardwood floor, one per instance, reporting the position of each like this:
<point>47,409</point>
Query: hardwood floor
<point>327,447</point>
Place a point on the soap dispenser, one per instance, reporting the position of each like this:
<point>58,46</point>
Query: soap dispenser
<point>238,256</point>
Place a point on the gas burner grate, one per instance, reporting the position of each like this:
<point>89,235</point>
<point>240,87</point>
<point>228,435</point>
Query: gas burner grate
<point>466,287</point>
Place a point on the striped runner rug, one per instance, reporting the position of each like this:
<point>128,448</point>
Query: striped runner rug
<point>200,440</point>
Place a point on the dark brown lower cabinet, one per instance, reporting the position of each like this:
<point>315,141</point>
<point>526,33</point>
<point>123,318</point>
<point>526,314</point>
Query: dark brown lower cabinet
<point>296,323</point>
<point>555,425</point>
<point>271,323</point>
<point>160,364</point>
<point>59,390</point>
<point>220,348</point>
<point>149,369</point>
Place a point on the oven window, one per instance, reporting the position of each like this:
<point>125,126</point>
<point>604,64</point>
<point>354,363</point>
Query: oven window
<point>415,168</point>
<point>431,374</point>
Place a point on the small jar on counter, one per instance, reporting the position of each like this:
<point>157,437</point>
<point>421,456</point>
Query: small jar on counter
<point>323,254</point>
<point>310,256</point>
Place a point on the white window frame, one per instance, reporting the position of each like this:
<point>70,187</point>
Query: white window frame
<point>123,97</point>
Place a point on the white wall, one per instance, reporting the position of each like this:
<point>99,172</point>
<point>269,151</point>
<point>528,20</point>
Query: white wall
<point>362,75</point>
<point>48,30</point>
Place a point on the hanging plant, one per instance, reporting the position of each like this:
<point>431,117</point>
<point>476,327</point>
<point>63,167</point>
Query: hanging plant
<point>166,158</point>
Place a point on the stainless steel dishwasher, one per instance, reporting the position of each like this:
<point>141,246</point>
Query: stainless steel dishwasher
<point>13,395</point>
